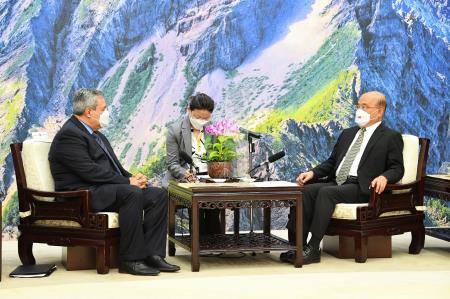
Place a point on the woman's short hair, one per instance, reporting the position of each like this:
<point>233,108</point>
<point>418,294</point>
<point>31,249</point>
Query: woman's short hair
<point>85,98</point>
<point>201,101</point>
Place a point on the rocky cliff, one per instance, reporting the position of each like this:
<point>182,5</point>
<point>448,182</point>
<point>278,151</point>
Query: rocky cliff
<point>404,52</point>
<point>292,69</point>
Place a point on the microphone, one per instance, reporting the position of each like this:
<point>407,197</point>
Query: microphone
<point>250,133</point>
<point>188,159</point>
<point>276,156</point>
<point>271,159</point>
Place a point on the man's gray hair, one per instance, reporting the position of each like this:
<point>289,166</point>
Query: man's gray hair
<point>85,98</point>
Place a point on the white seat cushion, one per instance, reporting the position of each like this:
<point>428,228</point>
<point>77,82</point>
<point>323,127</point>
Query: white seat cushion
<point>410,158</point>
<point>37,168</point>
<point>348,211</point>
<point>410,161</point>
<point>113,221</point>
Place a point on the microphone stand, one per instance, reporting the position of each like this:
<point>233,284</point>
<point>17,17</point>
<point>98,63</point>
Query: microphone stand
<point>267,176</point>
<point>251,150</point>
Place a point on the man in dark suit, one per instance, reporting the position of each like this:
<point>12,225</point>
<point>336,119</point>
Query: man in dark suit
<point>82,158</point>
<point>366,156</point>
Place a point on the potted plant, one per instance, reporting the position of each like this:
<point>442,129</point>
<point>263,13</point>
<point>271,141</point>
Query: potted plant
<point>220,146</point>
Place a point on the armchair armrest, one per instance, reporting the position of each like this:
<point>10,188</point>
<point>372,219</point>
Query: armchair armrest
<point>389,202</point>
<point>83,195</point>
<point>75,208</point>
<point>402,186</point>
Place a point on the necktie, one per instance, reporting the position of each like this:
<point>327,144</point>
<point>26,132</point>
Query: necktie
<point>105,149</point>
<point>349,158</point>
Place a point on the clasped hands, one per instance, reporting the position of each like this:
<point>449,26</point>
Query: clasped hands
<point>139,180</point>
<point>379,183</point>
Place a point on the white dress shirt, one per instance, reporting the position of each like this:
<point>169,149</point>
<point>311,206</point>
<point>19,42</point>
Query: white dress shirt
<point>367,135</point>
<point>198,150</point>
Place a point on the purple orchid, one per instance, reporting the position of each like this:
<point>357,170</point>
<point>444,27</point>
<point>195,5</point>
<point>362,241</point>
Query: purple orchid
<point>223,127</point>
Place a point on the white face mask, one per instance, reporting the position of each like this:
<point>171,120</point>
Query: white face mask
<point>362,117</point>
<point>198,123</point>
<point>104,119</point>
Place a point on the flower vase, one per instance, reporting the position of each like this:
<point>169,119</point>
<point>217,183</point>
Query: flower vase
<point>220,169</point>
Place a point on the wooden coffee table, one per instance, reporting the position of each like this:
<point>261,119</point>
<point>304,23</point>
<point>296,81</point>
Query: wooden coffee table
<point>265,195</point>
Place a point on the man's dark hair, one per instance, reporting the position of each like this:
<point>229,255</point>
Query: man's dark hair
<point>201,101</point>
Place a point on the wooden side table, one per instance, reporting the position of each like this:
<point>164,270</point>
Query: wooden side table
<point>438,186</point>
<point>234,195</point>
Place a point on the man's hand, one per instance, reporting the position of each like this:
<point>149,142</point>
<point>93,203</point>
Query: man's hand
<point>141,176</point>
<point>379,183</point>
<point>304,177</point>
<point>190,177</point>
<point>139,180</point>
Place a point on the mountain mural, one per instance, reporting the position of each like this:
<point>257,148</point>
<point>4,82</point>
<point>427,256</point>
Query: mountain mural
<point>288,68</point>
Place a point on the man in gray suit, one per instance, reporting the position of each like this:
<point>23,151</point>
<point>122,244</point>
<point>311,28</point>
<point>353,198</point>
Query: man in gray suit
<point>187,135</point>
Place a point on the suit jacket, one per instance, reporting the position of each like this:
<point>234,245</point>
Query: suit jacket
<point>383,155</point>
<point>178,139</point>
<point>78,162</point>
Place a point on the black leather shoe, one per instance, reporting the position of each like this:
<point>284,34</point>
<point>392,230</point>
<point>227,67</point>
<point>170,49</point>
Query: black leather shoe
<point>137,268</point>
<point>311,255</point>
<point>288,256</point>
<point>161,264</point>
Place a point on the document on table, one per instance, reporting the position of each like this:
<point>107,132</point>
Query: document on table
<point>275,184</point>
<point>240,184</point>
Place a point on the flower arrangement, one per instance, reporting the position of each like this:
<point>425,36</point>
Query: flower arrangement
<point>220,141</point>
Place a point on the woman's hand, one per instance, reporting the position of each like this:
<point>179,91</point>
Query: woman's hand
<point>190,176</point>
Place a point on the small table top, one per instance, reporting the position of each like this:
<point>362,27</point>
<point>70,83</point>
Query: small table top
<point>233,195</point>
<point>238,185</point>
<point>440,176</point>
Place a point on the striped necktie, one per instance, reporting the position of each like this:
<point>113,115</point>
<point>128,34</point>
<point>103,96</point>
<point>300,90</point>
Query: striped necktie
<point>105,149</point>
<point>349,158</point>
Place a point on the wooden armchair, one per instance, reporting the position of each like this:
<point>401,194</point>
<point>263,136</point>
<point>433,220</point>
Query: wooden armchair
<point>57,218</point>
<point>397,210</point>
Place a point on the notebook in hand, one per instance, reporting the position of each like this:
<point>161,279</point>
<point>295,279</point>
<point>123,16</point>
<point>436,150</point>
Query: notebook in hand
<point>33,270</point>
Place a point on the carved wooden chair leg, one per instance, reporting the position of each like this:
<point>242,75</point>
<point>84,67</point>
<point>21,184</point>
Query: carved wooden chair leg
<point>103,253</point>
<point>108,255</point>
<point>417,240</point>
<point>360,249</point>
<point>26,251</point>
<point>422,243</point>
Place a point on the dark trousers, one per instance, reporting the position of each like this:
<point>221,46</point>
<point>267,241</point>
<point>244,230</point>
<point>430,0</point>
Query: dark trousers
<point>143,220</point>
<point>319,201</point>
<point>209,222</point>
